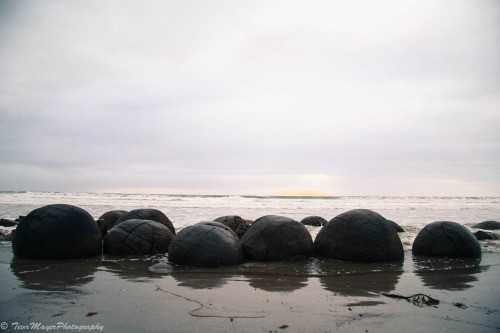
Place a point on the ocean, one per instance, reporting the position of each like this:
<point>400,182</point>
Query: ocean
<point>412,213</point>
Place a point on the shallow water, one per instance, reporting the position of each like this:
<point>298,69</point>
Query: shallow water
<point>147,294</point>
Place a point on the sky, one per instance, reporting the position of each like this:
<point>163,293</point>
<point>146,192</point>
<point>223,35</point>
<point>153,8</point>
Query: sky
<point>395,98</point>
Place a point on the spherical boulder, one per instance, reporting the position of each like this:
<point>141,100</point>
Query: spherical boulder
<point>108,220</point>
<point>359,235</point>
<point>148,214</point>
<point>236,223</point>
<point>206,244</point>
<point>446,239</point>
<point>138,237</point>
<point>315,221</point>
<point>276,238</point>
<point>487,225</point>
<point>57,232</point>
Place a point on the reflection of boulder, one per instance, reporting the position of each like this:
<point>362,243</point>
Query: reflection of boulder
<point>133,268</point>
<point>200,280</point>
<point>447,273</point>
<point>279,283</point>
<point>359,279</point>
<point>446,239</point>
<point>54,275</point>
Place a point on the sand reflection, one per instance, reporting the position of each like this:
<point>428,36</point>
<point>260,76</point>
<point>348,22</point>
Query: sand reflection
<point>359,279</point>
<point>447,273</point>
<point>54,275</point>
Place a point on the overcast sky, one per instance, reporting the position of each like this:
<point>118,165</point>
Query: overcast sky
<point>251,97</point>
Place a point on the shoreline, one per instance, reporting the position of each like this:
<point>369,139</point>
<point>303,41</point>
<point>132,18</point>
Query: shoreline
<point>305,296</point>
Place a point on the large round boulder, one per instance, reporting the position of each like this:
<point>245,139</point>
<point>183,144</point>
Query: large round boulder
<point>148,214</point>
<point>138,237</point>
<point>206,244</point>
<point>359,235</point>
<point>236,223</point>
<point>108,220</point>
<point>446,239</point>
<point>487,225</point>
<point>57,232</point>
<point>315,221</point>
<point>276,238</point>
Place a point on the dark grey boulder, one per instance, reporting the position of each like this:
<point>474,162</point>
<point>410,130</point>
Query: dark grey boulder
<point>138,237</point>
<point>57,232</point>
<point>487,225</point>
<point>108,220</point>
<point>148,214</point>
<point>484,235</point>
<point>7,223</point>
<point>396,226</point>
<point>446,239</point>
<point>236,223</point>
<point>359,235</point>
<point>276,238</point>
<point>206,244</point>
<point>315,221</point>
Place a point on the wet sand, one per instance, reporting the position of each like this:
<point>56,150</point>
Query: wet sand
<point>148,295</point>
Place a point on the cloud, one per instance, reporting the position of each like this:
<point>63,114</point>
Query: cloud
<point>226,97</point>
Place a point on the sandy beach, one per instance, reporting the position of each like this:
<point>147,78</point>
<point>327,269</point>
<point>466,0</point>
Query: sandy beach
<point>146,294</point>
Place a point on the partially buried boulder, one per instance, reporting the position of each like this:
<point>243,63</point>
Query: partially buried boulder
<point>276,238</point>
<point>108,220</point>
<point>487,225</point>
<point>359,235</point>
<point>148,214</point>
<point>484,235</point>
<point>206,244</point>
<point>396,226</point>
<point>236,223</point>
<point>57,232</point>
<point>446,239</point>
<point>138,237</point>
<point>315,221</point>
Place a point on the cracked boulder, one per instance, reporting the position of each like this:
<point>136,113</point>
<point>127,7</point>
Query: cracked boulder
<point>277,238</point>
<point>148,214</point>
<point>359,235</point>
<point>206,244</point>
<point>315,221</point>
<point>236,223</point>
<point>138,237</point>
<point>446,239</point>
<point>108,220</point>
<point>57,232</point>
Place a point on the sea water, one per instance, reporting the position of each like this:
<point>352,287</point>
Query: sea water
<point>412,213</point>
